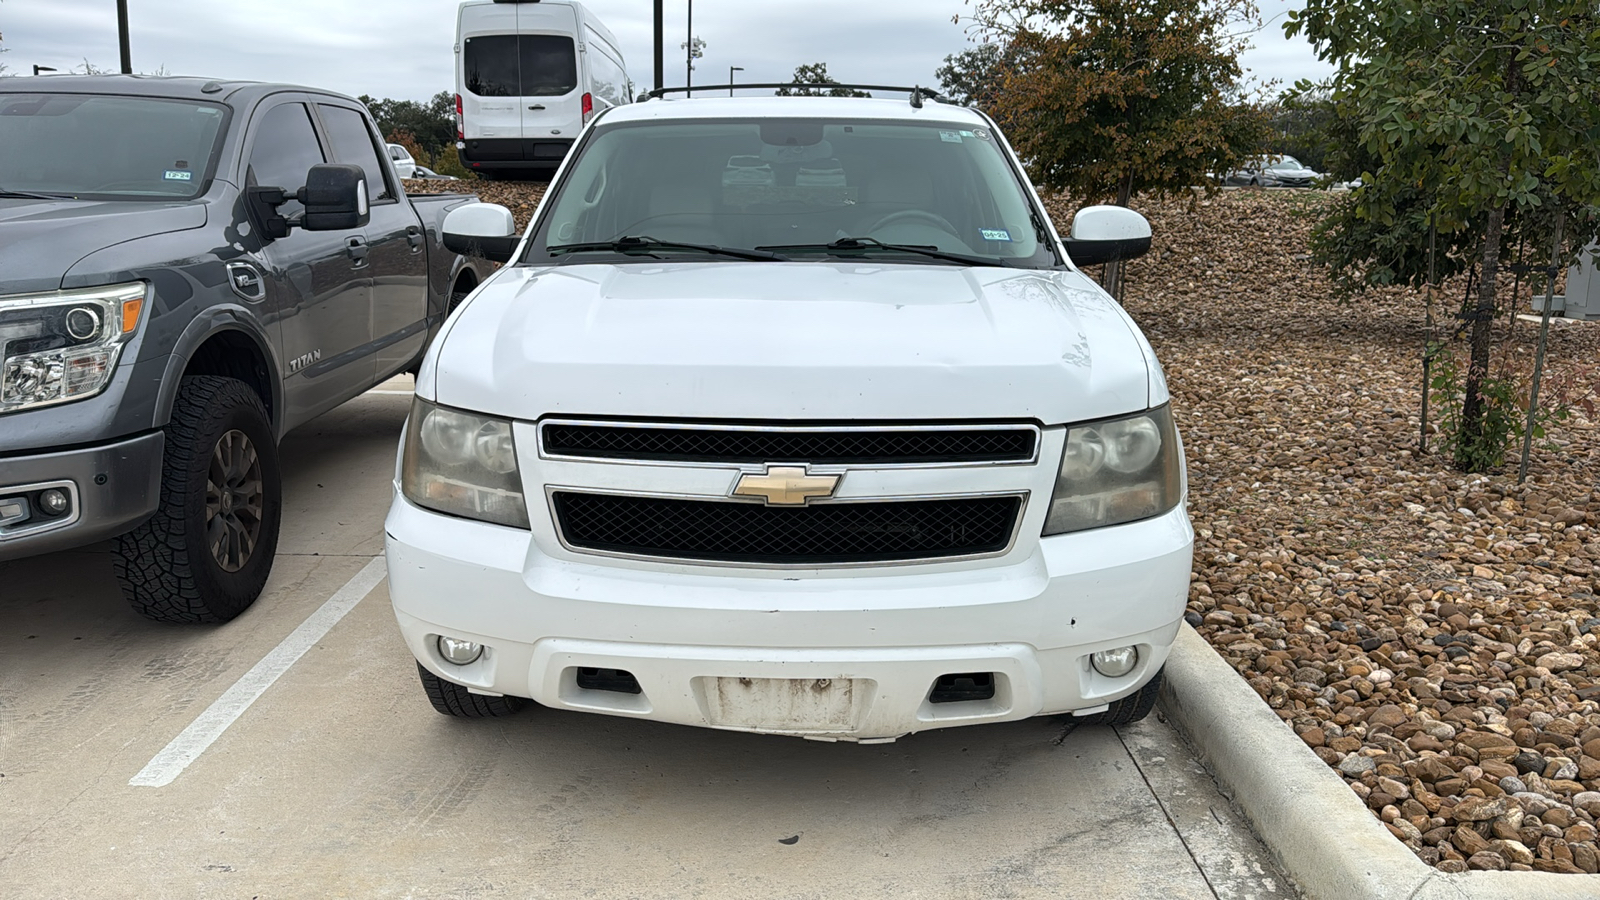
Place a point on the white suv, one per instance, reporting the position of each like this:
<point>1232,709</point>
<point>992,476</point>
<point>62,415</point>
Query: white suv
<point>792,415</point>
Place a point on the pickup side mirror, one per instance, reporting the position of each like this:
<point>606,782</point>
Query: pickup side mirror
<point>335,198</point>
<point>1102,234</point>
<point>482,229</point>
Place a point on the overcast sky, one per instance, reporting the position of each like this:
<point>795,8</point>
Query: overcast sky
<point>402,48</point>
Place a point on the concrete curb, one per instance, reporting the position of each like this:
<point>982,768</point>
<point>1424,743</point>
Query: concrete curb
<point>1317,829</point>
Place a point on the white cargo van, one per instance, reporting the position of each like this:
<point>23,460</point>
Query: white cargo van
<point>529,75</point>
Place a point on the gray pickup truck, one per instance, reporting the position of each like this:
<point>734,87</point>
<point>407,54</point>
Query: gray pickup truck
<point>189,269</point>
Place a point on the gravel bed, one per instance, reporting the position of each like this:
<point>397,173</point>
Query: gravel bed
<point>1434,637</point>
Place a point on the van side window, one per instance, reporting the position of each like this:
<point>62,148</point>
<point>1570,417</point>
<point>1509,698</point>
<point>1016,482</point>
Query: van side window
<point>610,79</point>
<point>352,143</point>
<point>284,150</point>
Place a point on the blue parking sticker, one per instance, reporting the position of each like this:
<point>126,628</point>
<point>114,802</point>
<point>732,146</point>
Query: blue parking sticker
<point>995,234</point>
<point>175,175</point>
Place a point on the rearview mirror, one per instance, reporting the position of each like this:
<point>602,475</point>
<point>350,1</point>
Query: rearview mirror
<point>1102,234</point>
<point>335,197</point>
<point>482,229</point>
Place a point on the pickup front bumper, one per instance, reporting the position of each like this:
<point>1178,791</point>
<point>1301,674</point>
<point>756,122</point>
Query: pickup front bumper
<point>111,489</point>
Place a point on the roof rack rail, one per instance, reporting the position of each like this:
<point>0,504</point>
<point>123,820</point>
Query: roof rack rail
<point>918,93</point>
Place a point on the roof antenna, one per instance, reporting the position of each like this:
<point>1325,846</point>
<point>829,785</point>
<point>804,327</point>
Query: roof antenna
<point>916,97</point>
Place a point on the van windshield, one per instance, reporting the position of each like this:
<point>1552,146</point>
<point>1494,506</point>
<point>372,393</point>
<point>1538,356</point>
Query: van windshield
<point>107,147</point>
<point>798,188</point>
<point>520,65</point>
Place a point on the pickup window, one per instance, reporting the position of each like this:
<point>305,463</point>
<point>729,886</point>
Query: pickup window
<point>285,149</point>
<point>352,143</point>
<point>108,147</point>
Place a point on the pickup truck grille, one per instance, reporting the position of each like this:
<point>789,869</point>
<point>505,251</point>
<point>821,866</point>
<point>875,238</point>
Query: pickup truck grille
<point>824,534</point>
<point>825,446</point>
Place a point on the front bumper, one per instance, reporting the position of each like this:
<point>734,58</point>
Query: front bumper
<point>113,488</point>
<point>689,634</point>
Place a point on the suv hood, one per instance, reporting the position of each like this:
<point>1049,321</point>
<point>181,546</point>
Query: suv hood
<point>41,239</point>
<point>797,341</point>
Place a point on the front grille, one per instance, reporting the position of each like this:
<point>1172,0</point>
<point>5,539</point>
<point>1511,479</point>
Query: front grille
<point>820,446</point>
<point>828,533</point>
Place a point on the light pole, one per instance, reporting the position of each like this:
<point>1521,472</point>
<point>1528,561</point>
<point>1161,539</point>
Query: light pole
<point>122,36</point>
<point>731,70</point>
<point>660,56</point>
<point>688,75</point>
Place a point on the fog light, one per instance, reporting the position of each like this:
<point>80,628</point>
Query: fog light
<point>459,653</point>
<point>54,502</point>
<point>1115,663</point>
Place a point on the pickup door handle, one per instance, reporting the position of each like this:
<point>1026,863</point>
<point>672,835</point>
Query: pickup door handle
<point>357,248</point>
<point>414,237</point>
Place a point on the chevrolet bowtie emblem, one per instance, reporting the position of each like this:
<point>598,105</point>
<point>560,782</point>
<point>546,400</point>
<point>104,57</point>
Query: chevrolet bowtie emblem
<point>786,486</point>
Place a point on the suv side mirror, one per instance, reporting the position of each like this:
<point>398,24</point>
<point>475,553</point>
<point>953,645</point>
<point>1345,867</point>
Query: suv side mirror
<point>1102,234</point>
<point>482,229</point>
<point>335,197</point>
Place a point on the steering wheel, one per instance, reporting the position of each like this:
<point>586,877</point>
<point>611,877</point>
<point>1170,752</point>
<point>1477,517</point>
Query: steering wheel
<point>918,215</point>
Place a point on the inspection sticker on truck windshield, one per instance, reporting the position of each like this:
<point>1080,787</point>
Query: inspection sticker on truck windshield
<point>950,137</point>
<point>175,175</point>
<point>995,234</point>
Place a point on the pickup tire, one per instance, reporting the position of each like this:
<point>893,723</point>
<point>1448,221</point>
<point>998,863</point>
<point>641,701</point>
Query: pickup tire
<point>452,699</point>
<point>1129,709</point>
<point>205,554</point>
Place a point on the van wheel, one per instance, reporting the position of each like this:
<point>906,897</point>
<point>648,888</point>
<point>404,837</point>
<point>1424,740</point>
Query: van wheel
<point>206,553</point>
<point>1129,709</point>
<point>452,699</point>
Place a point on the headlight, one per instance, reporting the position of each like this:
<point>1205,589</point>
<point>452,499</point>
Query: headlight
<point>1117,471</point>
<point>462,464</point>
<point>61,346</point>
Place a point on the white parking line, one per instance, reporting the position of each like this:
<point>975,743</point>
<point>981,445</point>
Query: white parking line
<point>193,741</point>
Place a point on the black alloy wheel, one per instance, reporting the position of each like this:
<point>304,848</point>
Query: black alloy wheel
<point>235,502</point>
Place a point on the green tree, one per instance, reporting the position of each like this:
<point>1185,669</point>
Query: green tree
<point>973,76</point>
<point>1482,118</point>
<point>431,124</point>
<point>1117,97</point>
<point>816,73</point>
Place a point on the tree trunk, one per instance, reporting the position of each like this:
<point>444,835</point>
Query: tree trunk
<point>1472,424</point>
<point>1111,277</point>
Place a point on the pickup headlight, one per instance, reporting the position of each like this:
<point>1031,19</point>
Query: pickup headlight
<point>1117,471</point>
<point>60,346</point>
<point>462,464</point>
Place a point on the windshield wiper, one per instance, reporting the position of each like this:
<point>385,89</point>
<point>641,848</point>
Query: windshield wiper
<point>848,245</point>
<point>643,243</point>
<point>34,195</point>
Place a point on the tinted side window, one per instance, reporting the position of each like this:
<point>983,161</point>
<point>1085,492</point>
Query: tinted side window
<point>490,63</point>
<point>610,81</point>
<point>352,143</point>
<point>549,65</point>
<point>285,149</point>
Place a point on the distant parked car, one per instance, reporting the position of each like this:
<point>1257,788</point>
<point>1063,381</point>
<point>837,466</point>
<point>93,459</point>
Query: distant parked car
<point>1272,171</point>
<point>404,165</point>
<point>425,173</point>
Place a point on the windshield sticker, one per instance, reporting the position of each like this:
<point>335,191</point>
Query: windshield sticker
<point>980,134</point>
<point>950,137</point>
<point>995,234</point>
<point>174,175</point>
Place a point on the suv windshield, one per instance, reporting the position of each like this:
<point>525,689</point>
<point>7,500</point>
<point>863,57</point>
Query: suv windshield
<point>107,147</point>
<point>801,188</point>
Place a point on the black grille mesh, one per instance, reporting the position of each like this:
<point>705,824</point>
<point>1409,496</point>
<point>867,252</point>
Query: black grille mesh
<point>826,447</point>
<point>828,533</point>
